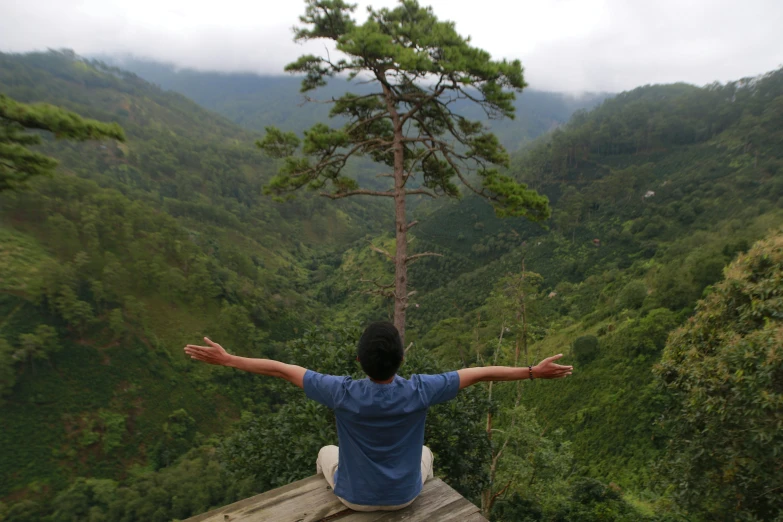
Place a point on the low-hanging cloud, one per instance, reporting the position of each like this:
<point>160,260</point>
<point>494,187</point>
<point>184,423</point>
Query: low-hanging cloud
<point>565,45</point>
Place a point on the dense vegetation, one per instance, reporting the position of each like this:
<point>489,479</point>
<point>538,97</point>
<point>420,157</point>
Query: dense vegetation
<point>133,249</point>
<point>724,371</point>
<point>404,124</point>
<point>256,102</point>
<point>17,162</point>
<point>130,251</point>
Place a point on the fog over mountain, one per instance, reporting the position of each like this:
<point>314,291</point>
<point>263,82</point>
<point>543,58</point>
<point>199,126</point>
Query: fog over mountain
<point>565,45</point>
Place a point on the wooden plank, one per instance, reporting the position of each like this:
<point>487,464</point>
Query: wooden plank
<point>422,508</point>
<point>370,516</point>
<point>293,490</point>
<point>457,510</point>
<point>312,500</point>
<point>437,502</point>
<point>431,487</point>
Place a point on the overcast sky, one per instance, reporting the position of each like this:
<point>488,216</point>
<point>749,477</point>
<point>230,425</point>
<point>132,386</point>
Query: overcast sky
<point>564,45</point>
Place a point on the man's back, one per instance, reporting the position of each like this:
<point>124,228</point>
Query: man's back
<point>381,432</point>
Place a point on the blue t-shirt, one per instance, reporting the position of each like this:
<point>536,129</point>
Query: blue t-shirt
<point>380,428</point>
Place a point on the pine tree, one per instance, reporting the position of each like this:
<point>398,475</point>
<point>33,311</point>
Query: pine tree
<point>17,162</point>
<point>420,69</point>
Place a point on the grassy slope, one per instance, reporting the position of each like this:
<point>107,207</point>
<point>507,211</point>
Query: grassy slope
<point>51,422</point>
<point>709,198</point>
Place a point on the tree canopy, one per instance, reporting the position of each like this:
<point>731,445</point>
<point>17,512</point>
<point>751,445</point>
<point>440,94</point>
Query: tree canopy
<point>419,67</point>
<point>17,162</point>
<point>724,370</point>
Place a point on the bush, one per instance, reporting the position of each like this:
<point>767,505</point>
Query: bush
<point>632,296</point>
<point>724,373</point>
<point>585,349</point>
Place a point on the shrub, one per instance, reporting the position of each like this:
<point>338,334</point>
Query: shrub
<point>585,349</point>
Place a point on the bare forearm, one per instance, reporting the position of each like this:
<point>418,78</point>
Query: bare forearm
<point>504,373</point>
<point>259,366</point>
<point>470,376</point>
<point>216,354</point>
<point>546,369</point>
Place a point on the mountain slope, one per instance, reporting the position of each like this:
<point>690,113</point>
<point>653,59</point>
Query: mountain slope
<point>130,251</point>
<point>653,193</point>
<point>256,102</point>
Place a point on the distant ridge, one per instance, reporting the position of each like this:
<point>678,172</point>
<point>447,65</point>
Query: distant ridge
<point>256,101</point>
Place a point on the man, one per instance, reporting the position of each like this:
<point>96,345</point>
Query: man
<point>381,463</point>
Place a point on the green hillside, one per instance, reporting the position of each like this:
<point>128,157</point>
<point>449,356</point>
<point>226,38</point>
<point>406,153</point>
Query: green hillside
<point>256,102</point>
<point>654,192</point>
<point>133,249</point>
<point>129,252</point>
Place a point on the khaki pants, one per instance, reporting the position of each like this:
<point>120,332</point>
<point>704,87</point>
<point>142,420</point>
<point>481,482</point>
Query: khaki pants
<point>327,464</point>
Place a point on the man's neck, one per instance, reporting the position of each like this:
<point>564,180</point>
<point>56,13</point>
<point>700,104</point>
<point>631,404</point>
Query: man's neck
<point>387,381</point>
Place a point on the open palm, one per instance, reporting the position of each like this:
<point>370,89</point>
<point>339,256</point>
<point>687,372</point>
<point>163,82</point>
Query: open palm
<point>547,369</point>
<point>212,354</point>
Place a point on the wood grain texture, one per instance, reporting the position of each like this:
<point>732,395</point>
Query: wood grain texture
<point>312,500</point>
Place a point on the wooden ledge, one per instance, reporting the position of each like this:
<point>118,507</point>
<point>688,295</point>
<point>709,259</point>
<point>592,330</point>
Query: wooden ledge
<point>312,500</point>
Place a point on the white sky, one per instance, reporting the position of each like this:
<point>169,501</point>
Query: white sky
<point>564,45</point>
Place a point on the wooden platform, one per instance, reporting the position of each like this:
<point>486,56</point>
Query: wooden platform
<point>312,500</point>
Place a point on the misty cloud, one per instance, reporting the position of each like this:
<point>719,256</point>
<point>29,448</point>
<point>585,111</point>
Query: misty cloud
<point>565,45</point>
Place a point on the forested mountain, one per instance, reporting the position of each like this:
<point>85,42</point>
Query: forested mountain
<point>256,102</point>
<point>133,249</point>
<point>654,192</point>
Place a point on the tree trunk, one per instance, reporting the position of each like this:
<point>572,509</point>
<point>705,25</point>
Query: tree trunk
<point>400,259</point>
<point>400,223</point>
<point>524,321</point>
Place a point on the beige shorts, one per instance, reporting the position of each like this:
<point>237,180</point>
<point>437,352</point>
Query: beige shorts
<point>327,464</point>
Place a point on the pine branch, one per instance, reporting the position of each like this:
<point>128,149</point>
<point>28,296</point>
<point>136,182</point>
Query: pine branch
<point>421,191</point>
<point>382,251</point>
<point>414,257</point>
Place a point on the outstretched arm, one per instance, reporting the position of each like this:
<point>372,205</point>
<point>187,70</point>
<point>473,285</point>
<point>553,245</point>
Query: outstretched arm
<point>546,369</point>
<point>215,354</point>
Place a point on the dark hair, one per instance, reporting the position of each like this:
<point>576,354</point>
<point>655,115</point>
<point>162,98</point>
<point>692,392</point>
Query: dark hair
<point>380,351</point>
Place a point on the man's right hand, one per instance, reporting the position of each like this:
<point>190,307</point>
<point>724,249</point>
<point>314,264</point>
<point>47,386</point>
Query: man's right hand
<point>212,354</point>
<point>547,369</point>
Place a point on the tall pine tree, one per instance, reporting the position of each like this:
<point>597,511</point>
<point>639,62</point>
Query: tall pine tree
<point>420,69</point>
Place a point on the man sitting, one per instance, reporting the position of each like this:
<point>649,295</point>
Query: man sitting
<point>381,463</point>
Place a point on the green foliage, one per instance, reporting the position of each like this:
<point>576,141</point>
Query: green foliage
<point>585,349</point>
<point>592,501</point>
<point>179,433</point>
<point>632,295</point>
<point>113,426</point>
<point>7,369</point>
<point>194,485</point>
<point>256,102</point>
<point>416,64</point>
<point>17,162</point>
<point>109,270</point>
<point>85,499</point>
<point>39,345</point>
<point>724,371</point>
<point>144,243</point>
<point>106,427</point>
<point>654,257</point>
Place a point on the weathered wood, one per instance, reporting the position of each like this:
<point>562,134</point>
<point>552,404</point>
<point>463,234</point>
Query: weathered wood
<point>312,500</point>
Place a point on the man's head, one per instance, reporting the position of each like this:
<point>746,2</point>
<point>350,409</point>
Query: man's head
<point>380,351</point>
